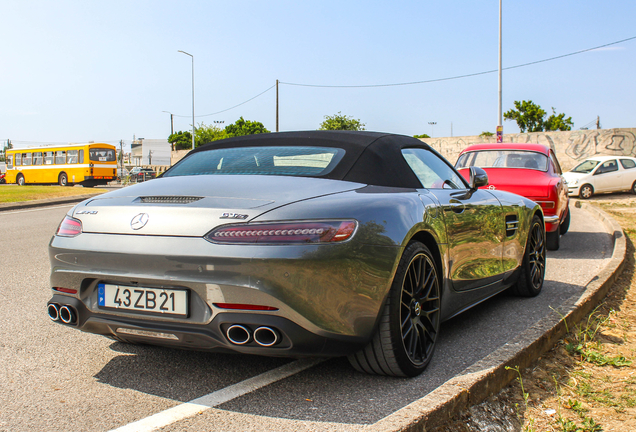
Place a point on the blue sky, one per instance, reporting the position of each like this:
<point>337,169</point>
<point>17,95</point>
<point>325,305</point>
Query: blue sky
<point>74,71</point>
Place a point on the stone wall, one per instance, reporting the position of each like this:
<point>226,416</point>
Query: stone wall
<point>571,147</point>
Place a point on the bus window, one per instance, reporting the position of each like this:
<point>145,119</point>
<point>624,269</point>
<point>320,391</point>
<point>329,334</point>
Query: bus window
<point>48,158</point>
<point>10,162</point>
<point>37,158</point>
<point>18,159</point>
<point>60,157</point>
<point>81,156</point>
<point>101,155</point>
<point>72,156</point>
<point>26,159</point>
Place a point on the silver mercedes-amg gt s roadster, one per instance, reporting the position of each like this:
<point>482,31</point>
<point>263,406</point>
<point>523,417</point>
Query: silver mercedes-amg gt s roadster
<point>321,243</point>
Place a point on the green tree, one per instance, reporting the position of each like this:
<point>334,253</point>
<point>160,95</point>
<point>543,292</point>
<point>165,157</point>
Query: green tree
<point>181,140</point>
<point>486,134</point>
<point>244,127</point>
<point>531,117</point>
<point>341,122</point>
<point>558,122</point>
<point>528,115</point>
<point>204,134</point>
<point>421,136</point>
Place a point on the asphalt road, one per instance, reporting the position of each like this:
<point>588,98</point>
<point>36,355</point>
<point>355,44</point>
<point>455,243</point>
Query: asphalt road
<point>56,378</point>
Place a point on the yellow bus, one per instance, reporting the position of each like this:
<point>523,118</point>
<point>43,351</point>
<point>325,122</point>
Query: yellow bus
<point>86,164</point>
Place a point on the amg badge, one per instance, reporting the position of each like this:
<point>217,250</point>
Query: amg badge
<point>233,216</point>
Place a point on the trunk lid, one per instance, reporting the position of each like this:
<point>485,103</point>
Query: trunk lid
<point>194,205</point>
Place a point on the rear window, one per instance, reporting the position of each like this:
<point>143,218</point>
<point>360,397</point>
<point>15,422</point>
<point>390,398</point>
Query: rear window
<point>628,163</point>
<point>285,161</point>
<point>503,159</point>
<point>101,155</point>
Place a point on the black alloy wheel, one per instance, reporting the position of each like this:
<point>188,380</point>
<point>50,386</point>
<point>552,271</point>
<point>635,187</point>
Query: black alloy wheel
<point>404,342</point>
<point>420,310</point>
<point>532,272</point>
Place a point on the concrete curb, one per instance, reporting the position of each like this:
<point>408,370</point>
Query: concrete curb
<point>489,375</point>
<point>21,205</point>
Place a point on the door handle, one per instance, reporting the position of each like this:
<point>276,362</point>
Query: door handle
<point>456,206</point>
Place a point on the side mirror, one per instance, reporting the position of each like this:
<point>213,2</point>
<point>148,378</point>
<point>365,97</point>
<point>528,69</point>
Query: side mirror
<point>478,178</point>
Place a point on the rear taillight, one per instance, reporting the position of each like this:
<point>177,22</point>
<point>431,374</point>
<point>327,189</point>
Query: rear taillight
<point>70,227</point>
<point>281,233</point>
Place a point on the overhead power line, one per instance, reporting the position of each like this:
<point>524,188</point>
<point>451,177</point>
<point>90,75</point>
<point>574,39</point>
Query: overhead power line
<point>416,82</point>
<point>235,106</point>
<point>459,76</point>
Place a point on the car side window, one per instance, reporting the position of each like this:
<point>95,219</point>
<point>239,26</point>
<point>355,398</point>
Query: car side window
<point>432,171</point>
<point>607,166</point>
<point>628,163</point>
<point>555,162</point>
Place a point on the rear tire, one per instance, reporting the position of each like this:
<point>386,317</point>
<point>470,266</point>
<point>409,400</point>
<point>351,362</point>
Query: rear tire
<point>634,188</point>
<point>586,191</point>
<point>20,180</point>
<point>532,271</point>
<point>404,342</point>
<point>62,179</point>
<point>553,240</point>
<point>565,225</point>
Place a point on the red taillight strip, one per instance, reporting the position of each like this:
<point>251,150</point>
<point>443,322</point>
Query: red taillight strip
<point>70,227</point>
<point>285,233</point>
<point>65,290</point>
<point>244,306</point>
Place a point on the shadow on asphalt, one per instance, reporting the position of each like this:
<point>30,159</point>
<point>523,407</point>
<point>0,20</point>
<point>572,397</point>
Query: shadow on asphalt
<point>324,392</point>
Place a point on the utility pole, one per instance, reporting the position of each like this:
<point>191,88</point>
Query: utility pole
<point>598,122</point>
<point>500,116</point>
<point>276,105</point>
<point>121,151</point>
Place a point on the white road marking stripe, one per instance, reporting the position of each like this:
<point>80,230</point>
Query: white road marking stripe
<point>195,406</point>
<point>37,209</point>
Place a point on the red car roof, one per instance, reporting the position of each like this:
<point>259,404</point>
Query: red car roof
<point>509,146</point>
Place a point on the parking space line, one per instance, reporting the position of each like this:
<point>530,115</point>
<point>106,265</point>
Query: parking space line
<point>195,406</point>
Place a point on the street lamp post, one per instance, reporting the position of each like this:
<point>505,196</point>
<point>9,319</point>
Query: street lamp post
<point>192,95</point>
<point>432,126</point>
<point>171,122</point>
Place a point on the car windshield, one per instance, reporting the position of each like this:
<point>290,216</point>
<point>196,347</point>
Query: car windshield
<point>503,159</point>
<point>288,161</point>
<point>585,167</point>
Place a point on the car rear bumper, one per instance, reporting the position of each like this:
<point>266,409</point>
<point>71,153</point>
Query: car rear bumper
<point>328,295</point>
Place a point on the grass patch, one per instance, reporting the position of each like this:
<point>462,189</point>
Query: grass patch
<point>10,194</point>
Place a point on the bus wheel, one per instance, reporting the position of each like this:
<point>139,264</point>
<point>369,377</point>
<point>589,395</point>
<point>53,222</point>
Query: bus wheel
<point>20,180</point>
<point>63,179</point>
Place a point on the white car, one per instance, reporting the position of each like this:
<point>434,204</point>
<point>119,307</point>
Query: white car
<point>602,174</point>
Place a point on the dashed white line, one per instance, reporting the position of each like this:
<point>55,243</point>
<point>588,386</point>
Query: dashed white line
<point>195,406</point>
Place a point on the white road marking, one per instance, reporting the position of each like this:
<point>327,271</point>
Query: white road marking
<point>36,209</point>
<point>195,406</point>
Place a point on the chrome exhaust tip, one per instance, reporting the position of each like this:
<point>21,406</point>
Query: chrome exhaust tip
<point>67,315</point>
<point>238,334</point>
<point>265,336</point>
<point>53,311</point>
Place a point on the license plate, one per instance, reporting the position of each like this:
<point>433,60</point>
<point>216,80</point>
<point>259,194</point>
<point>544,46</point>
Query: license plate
<point>158,300</point>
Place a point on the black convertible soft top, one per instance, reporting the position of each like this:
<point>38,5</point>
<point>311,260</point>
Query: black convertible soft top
<point>372,158</point>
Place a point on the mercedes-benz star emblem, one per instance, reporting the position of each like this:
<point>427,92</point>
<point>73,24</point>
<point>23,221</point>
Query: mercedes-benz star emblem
<point>492,187</point>
<point>139,221</point>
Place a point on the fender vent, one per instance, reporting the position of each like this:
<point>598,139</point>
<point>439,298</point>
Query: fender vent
<point>168,199</point>
<point>512,225</point>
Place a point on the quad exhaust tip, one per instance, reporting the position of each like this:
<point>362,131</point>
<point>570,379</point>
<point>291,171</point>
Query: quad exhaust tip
<point>238,334</point>
<point>265,336</point>
<point>66,314</point>
<point>53,311</point>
